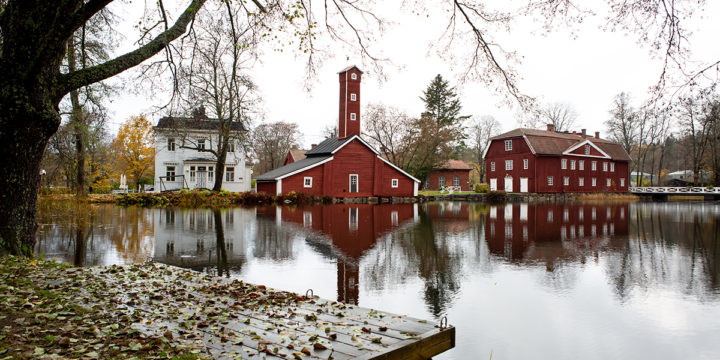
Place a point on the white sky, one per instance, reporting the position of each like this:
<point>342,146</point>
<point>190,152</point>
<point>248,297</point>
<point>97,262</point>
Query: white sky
<point>585,70</point>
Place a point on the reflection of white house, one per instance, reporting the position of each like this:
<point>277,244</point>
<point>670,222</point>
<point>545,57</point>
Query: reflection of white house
<point>177,167</point>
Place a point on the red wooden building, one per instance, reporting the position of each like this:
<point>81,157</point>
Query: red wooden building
<point>345,166</point>
<point>528,160</point>
<point>450,173</point>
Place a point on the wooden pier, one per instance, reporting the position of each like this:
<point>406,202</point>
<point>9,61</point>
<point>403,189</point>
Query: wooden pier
<point>229,319</point>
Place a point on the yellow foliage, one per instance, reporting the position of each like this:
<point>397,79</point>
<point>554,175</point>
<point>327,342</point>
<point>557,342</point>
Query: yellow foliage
<point>134,153</point>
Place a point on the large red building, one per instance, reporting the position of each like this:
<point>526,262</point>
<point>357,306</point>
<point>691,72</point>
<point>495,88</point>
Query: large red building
<point>345,166</point>
<point>537,161</point>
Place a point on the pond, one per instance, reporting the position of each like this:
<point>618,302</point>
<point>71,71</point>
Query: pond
<point>519,281</point>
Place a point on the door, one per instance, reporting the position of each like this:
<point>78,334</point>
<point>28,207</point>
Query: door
<point>493,184</point>
<point>353,183</point>
<point>523,185</point>
<point>508,184</point>
<point>202,177</point>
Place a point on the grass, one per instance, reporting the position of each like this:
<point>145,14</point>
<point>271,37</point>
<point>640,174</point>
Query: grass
<point>435,192</point>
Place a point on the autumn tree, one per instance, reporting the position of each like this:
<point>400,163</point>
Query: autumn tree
<point>133,148</point>
<point>271,143</point>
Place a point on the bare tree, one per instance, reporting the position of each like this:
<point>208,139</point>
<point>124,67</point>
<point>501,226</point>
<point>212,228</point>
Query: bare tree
<point>271,143</point>
<point>622,125</point>
<point>697,114</point>
<point>389,130</point>
<point>481,130</point>
<point>561,116</point>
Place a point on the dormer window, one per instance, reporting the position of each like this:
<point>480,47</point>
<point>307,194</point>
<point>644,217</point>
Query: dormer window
<point>352,116</point>
<point>353,97</point>
<point>353,76</point>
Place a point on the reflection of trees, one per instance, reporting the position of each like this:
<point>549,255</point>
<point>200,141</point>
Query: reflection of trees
<point>272,241</point>
<point>671,245</point>
<point>220,248</point>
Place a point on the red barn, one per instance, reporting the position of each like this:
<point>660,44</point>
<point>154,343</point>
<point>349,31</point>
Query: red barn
<point>345,166</point>
<point>450,173</point>
<point>528,160</point>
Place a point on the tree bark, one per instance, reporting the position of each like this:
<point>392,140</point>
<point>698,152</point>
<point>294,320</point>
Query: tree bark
<point>78,126</point>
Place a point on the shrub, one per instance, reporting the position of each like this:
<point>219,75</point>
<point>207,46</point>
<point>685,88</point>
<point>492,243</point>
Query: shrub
<point>481,188</point>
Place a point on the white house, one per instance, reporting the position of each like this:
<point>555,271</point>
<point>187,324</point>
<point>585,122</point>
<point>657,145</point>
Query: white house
<point>177,167</point>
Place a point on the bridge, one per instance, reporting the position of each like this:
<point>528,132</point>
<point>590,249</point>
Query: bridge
<point>663,192</point>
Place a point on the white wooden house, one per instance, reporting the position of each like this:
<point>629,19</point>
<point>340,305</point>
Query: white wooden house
<point>179,167</point>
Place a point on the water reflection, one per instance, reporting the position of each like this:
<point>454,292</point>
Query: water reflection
<point>643,275</point>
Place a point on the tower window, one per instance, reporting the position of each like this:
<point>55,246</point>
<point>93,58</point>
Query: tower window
<point>353,76</point>
<point>353,97</point>
<point>352,116</point>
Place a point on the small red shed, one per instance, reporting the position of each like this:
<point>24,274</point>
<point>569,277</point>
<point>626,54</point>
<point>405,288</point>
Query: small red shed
<point>450,173</point>
<point>345,166</point>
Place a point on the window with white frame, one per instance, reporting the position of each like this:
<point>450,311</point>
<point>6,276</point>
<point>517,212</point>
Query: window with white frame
<point>587,149</point>
<point>581,181</point>
<point>353,97</point>
<point>508,145</point>
<point>492,166</point>
<point>581,164</point>
<point>550,180</point>
<point>593,166</point>
<point>394,183</point>
<point>307,182</point>
<point>231,146</point>
<point>612,167</point>
<point>566,180</point>
<point>563,164</point>
<point>441,181</point>
<point>230,173</point>
<point>607,182</point>
<point>170,173</point>
<point>605,166</point>
<point>593,181</point>
<point>352,116</point>
<point>622,182</point>
<point>192,174</point>
<point>353,76</point>
<point>201,144</point>
<point>572,164</point>
<point>508,165</point>
<point>171,144</point>
<point>211,174</point>
<point>525,164</point>
<point>456,181</point>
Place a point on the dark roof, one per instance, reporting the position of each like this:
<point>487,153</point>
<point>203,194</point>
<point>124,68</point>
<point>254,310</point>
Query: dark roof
<point>452,164</point>
<point>202,123</point>
<point>281,171</point>
<point>555,143</point>
<point>350,68</point>
<point>328,146</point>
<point>199,160</point>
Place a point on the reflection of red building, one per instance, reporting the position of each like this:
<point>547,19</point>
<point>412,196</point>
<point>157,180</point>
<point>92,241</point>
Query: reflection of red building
<point>352,229</point>
<point>548,233</point>
<point>453,216</point>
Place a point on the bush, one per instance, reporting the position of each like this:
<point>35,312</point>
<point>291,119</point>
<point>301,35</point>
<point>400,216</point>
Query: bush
<point>481,188</point>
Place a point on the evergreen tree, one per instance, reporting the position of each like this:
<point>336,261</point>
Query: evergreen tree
<point>441,102</point>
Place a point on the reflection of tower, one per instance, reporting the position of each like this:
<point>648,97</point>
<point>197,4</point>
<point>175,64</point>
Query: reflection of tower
<point>348,274</point>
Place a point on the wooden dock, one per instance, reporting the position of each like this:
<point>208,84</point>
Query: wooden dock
<point>230,319</point>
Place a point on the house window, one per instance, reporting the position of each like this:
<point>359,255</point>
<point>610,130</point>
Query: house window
<point>492,166</point>
<point>604,165</point>
<point>593,165</point>
<point>566,180</point>
<point>441,181</point>
<point>192,173</point>
<point>352,116</point>
<point>394,183</point>
<point>525,164</point>
<point>456,181</point>
<point>572,164</point>
<point>171,144</point>
<point>550,181</point>
<point>587,149</point>
<point>170,173</point>
<point>211,174</point>
<point>201,144</point>
<point>563,164</point>
<point>353,76</point>
<point>581,181</point>
<point>593,181</point>
<point>508,164</point>
<point>231,146</point>
<point>308,182</point>
<point>612,167</point>
<point>230,173</point>
<point>622,182</point>
<point>353,97</point>
<point>607,182</point>
<point>508,145</point>
<point>581,165</point>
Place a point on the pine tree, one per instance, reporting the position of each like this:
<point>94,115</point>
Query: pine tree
<point>441,102</point>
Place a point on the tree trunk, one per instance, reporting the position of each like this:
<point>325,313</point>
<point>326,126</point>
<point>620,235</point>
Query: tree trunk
<point>220,161</point>
<point>78,126</point>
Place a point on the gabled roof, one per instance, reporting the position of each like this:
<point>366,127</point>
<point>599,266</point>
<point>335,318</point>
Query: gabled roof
<point>190,123</point>
<point>291,168</point>
<point>543,142</point>
<point>297,154</point>
<point>332,145</point>
<point>452,164</point>
<point>350,68</point>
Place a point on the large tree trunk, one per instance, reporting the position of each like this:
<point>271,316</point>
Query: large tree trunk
<point>77,120</point>
<point>220,163</point>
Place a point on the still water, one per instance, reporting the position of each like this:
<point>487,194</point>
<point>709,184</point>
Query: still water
<point>626,281</point>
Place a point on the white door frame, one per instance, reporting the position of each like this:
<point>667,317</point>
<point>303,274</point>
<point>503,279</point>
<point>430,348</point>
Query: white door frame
<point>523,181</point>
<point>508,188</point>
<point>357,183</point>
<point>493,184</point>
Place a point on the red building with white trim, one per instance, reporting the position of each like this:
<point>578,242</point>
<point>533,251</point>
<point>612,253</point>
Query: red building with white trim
<point>450,173</point>
<point>537,161</point>
<point>345,166</point>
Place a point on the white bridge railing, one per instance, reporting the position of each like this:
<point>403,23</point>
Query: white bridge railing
<point>674,190</point>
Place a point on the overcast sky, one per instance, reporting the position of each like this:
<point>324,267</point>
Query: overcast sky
<point>585,69</point>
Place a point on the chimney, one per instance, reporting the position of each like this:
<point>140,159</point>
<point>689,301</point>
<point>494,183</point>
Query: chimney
<point>597,134</point>
<point>574,132</point>
<point>312,146</point>
<point>584,133</point>
<point>550,127</point>
<point>349,119</point>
